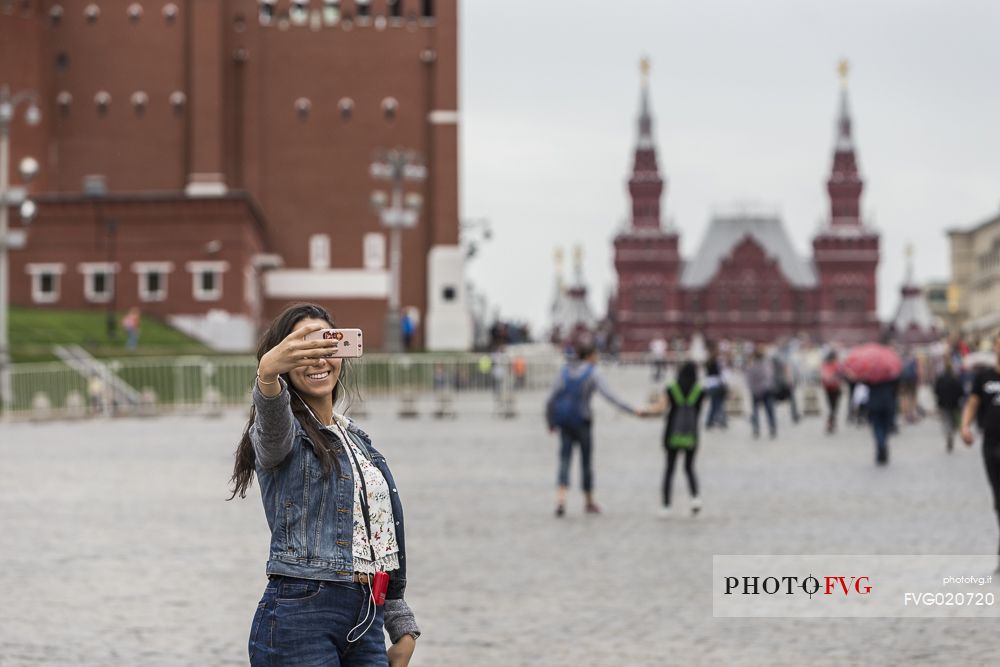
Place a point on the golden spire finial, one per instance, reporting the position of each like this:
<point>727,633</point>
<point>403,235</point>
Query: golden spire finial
<point>644,66</point>
<point>843,67</point>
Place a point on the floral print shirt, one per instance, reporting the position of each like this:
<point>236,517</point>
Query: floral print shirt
<point>379,513</point>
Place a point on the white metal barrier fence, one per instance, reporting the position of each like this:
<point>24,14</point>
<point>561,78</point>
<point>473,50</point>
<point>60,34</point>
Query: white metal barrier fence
<point>197,384</point>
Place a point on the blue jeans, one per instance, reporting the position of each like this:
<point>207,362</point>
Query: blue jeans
<point>305,623</point>
<point>716,407</point>
<point>768,402</point>
<point>882,422</point>
<point>576,436</point>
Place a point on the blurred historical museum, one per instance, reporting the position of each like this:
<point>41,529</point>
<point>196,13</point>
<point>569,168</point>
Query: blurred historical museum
<point>746,281</point>
<point>211,161</point>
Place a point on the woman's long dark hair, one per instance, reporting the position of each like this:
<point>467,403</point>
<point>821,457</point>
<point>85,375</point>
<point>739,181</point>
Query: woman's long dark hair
<point>243,470</point>
<point>687,376</point>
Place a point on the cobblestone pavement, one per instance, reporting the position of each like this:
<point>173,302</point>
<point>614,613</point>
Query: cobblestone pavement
<point>119,548</point>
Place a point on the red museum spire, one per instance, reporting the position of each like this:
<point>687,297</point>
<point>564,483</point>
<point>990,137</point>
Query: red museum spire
<point>645,186</point>
<point>845,184</point>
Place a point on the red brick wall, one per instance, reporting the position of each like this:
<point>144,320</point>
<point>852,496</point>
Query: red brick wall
<point>176,231</point>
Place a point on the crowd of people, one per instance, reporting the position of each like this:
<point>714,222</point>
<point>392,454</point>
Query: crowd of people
<point>966,390</point>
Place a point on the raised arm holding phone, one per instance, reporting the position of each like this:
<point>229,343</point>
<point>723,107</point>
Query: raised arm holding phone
<point>337,565</point>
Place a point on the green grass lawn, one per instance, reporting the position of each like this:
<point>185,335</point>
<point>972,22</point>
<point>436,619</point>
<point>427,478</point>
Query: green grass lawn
<point>34,331</point>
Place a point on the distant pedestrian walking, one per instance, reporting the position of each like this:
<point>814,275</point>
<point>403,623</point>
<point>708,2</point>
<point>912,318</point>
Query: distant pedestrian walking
<point>950,394</point>
<point>682,402</point>
<point>130,323</point>
<point>568,410</point>
<point>520,367</point>
<point>881,410</point>
<point>760,381</point>
<point>859,402</point>
<point>408,328</point>
<point>485,365</point>
<point>658,355</point>
<point>786,380</point>
<point>909,380</point>
<point>716,389</point>
<point>984,406</point>
<point>876,368</point>
<point>830,376</point>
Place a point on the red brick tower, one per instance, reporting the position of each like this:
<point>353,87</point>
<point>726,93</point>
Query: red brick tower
<point>231,141</point>
<point>846,251</point>
<point>646,256</point>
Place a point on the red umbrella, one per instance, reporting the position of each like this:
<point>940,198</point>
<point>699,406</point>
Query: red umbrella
<point>873,363</point>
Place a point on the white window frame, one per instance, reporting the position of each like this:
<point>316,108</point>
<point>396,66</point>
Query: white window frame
<point>89,269</point>
<point>143,269</point>
<point>373,250</point>
<point>196,269</point>
<point>36,271</point>
<point>319,252</point>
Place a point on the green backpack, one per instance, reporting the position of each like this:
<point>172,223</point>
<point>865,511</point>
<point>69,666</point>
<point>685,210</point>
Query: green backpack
<point>685,417</point>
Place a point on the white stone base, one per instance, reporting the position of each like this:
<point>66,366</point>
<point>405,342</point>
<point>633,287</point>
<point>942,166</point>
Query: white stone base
<point>449,322</point>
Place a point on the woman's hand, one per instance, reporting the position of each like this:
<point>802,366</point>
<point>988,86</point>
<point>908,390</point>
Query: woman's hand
<point>294,351</point>
<point>401,652</point>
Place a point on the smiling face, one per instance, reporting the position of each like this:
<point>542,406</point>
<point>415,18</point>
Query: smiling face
<point>316,381</point>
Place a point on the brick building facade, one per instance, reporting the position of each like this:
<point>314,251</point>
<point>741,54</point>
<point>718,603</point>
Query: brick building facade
<point>746,281</point>
<point>227,144</point>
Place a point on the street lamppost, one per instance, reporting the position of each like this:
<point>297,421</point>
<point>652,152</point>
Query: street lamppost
<point>9,196</point>
<point>396,212</point>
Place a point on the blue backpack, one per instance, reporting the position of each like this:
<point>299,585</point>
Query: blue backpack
<point>567,409</point>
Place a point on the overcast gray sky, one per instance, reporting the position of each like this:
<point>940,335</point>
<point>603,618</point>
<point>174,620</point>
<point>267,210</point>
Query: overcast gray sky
<point>744,96</point>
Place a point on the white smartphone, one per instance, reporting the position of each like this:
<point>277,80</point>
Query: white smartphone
<point>348,341</point>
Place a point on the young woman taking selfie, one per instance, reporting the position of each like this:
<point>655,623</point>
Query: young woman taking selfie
<point>331,504</point>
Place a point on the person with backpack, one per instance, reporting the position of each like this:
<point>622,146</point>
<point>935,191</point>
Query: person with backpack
<point>568,411</point>
<point>682,402</point>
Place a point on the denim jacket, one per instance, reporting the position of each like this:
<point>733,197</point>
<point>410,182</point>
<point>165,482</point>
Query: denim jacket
<point>312,519</point>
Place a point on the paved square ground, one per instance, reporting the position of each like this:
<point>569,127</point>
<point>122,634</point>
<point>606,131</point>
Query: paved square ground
<point>120,549</point>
